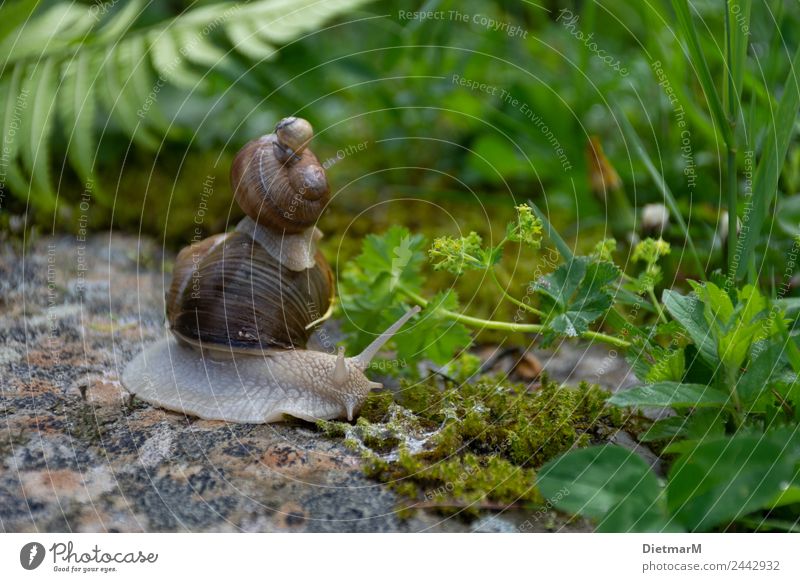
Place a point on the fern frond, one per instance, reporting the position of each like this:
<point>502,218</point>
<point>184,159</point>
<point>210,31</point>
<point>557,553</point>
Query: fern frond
<point>117,62</point>
<point>37,124</point>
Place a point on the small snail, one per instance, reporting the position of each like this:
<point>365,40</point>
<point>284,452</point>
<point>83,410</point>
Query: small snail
<point>242,305</point>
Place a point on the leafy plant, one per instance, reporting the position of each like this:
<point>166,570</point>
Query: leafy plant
<point>67,62</point>
<point>734,434</point>
<point>388,275</point>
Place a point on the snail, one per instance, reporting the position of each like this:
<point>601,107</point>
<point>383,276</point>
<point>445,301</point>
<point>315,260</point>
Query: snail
<point>242,305</point>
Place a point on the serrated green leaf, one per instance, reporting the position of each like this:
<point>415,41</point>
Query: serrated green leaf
<point>397,253</point>
<point>689,312</point>
<point>670,394</point>
<point>760,374</point>
<point>576,294</point>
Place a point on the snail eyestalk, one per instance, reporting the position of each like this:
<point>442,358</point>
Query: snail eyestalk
<point>363,359</point>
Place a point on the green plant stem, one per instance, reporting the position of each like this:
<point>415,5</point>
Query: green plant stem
<point>653,299</point>
<point>479,323</point>
<point>514,300</point>
<point>730,170</point>
<point>652,294</point>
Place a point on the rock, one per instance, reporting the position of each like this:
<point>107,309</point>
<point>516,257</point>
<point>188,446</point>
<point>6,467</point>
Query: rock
<point>77,455</point>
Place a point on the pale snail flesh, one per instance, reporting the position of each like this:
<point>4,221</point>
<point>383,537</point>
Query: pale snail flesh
<point>254,387</point>
<point>243,304</point>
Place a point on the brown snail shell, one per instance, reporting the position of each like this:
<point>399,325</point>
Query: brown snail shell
<point>281,184</point>
<point>230,292</point>
<point>242,305</point>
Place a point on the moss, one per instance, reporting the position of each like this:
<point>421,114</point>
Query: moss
<point>475,445</point>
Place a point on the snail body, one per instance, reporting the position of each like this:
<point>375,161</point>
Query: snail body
<point>243,304</point>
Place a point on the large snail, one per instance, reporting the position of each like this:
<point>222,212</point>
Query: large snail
<point>243,304</point>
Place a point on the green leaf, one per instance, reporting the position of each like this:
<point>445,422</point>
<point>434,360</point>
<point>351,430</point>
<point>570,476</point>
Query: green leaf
<point>609,484</point>
<point>35,132</point>
<point>397,253</point>
<point>576,294</point>
<point>698,59</point>
<point>760,373</point>
<point>689,312</point>
<point>119,103</point>
<point>121,21</point>
<point>670,394</point>
<point>721,480</point>
<point>245,39</point>
<point>15,105</point>
<point>169,62</point>
<point>77,107</point>
<point>665,428</point>
<point>14,15</point>
<point>765,182</point>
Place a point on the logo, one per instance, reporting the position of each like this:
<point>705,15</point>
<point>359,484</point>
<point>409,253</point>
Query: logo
<point>31,555</point>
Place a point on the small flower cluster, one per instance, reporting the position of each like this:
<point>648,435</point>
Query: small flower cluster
<point>528,228</point>
<point>650,251</point>
<point>457,254</point>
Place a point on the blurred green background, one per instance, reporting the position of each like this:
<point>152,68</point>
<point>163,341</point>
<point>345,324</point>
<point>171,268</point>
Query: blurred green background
<point>440,121</point>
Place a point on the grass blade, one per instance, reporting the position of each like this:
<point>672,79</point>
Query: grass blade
<point>687,28</point>
<point>765,181</point>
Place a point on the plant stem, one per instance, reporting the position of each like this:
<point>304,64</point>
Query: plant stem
<point>730,170</point>
<point>514,300</point>
<point>507,325</point>
<point>657,305</point>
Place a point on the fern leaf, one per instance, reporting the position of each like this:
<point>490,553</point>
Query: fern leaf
<point>281,21</point>
<point>15,15</point>
<point>121,108</point>
<point>54,31</point>
<point>121,21</point>
<point>12,116</point>
<point>245,39</point>
<point>77,109</point>
<point>37,125</point>
<point>143,88</point>
<point>200,50</point>
<point>170,63</point>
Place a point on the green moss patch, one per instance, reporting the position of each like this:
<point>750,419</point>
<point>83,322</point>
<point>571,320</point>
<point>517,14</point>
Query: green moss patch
<point>472,446</point>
